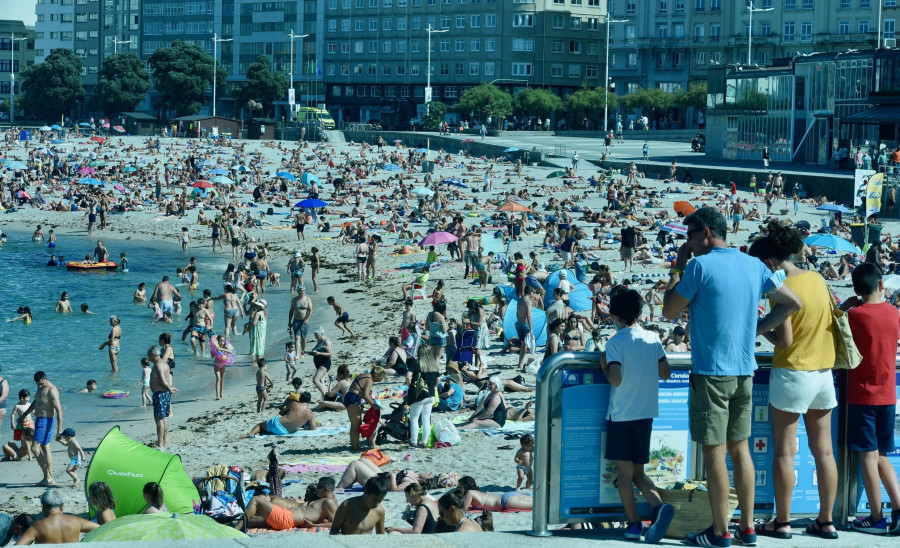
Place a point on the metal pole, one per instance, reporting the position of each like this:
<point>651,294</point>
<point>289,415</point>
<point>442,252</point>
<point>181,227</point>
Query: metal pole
<point>750,36</point>
<point>216,40</point>
<point>12,76</point>
<point>606,81</point>
<point>428,67</point>
<point>878,45</point>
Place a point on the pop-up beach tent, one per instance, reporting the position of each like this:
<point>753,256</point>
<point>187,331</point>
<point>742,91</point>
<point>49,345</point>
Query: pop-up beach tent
<point>538,322</point>
<point>126,465</point>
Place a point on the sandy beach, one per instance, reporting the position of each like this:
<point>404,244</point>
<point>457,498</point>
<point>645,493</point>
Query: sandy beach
<point>205,432</point>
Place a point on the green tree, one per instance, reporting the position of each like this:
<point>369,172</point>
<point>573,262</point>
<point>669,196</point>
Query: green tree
<point>485,100</point>
<point>436,112</point>
<point>647,99</point>
<point>53,88</point>
<point>123,83</point>
<point>540,102</point>
<point>182,73</point>
<point>263,86</point>
<point>589,103</point>
<point>694,97</point>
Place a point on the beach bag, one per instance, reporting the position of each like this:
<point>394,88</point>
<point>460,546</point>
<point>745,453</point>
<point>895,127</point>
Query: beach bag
<point>692,509</point>
<point>846,355</point>
<point>448,479</point>
<point>530,343</point>
<point>378,458</point>
<point>445,432</point>
<point>370,422</point>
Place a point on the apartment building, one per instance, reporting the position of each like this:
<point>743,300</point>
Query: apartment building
<point>71,24</point>
<point>376,53</point>
<point>15,55</point>
<point>669,44</point>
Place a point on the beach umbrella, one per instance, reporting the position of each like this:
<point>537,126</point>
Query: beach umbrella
<point>674,228</point>
<point>45,128</point>
<point>286,175</point>
<point>397,141</point>
<point>422,191</point>
<point>834,207</point>
<point>201,184</point>
<point>469,140</point>
<point>120,129</point>
<point>90,181</point>
<point>222,180</point>
<point>105,125</point>
<point>84,124</point>
<point>97,163</point>
<point>55,126</point>
<point>391,167</point>
<point>683,208</point>
<point>511,149</point>
<point>557,173</point>
<point>87,170</point>
<point>129,169</point>
<point>311,202</point>
<point>421,150</point>
<point>98,139</point>
<point>309,178</point>
<point>56,141</point>
<point>25,135</point>
<point>162,526</point>
<point>238,167</point>
<point>438,238</point>
<point>891,282</point>
<point>217,171</point>
<point>513,206</point>
<point>832,242</point>
<point>15,165</point>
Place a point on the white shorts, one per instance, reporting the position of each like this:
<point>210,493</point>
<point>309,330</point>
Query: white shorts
<point>799,391</point>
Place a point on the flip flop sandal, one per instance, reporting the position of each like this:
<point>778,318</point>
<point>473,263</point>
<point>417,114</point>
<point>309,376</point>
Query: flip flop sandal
<point>774,531</point>
<point>815,529</point>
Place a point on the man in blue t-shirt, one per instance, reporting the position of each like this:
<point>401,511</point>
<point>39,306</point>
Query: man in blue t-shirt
<point>722,288</point>
<point>451,396</point>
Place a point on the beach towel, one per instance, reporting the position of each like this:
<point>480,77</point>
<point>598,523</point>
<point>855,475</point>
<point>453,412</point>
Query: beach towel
<point>262,530</point>
<point>511,427</point>
<point>321,432</point>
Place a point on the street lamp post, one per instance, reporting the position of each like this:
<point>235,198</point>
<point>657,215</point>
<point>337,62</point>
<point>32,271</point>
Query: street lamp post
<point>606,80</point>
<point>116,43</point>
<point>293,37</point>
<point>751,8</point>
<point>12,77</point>
<point>429,30</point>
<point>216,40</point>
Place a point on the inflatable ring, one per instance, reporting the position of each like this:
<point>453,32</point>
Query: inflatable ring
<point>225,357</point>
<point>114,394</point>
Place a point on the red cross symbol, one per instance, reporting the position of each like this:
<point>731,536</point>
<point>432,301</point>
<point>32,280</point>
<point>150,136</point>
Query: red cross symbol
<point>760,445</point>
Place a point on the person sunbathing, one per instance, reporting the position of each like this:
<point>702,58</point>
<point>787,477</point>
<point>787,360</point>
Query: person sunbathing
<point>295,416</point>
<point>362,470</point>
<point>283,514</point>
<point>473,498</point>
<point>363,514</point>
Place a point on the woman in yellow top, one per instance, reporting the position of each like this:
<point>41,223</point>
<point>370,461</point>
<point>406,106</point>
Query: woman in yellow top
<point>801,382</point>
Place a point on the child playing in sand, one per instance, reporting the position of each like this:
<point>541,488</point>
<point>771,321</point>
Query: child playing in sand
<point>343,318</point>
<point>524,461</point>
<point>145,382</point>
<point>290,360</point>
<point>263,383</point>
<point>633,364</point>
<point>185,238</point>
<point>75,452</point>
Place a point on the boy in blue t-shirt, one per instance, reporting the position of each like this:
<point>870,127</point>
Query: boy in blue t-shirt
<point>633,364</point>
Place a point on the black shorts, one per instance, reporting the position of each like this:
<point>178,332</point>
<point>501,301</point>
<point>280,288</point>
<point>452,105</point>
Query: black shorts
<point>300,228</point>
<point>235,242</point>
<point>873,428</point>
<point>629,440</point>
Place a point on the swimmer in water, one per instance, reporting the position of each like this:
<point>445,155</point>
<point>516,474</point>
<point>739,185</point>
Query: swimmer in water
<point>24,315</point>
<point>140,294</point>
<point>38,235</point>
<point>63,305</point>
<point>51,239</point>
<point>84,309</point>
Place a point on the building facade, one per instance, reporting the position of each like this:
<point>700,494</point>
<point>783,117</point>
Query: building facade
<point>16,53</point>
<point>670,44</point>
<point>376,54</point>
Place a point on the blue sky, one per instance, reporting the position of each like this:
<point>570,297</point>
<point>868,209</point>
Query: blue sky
<point>20,10</point>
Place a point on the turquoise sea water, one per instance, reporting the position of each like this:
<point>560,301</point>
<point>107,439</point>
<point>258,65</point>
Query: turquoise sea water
<point>65,346</point>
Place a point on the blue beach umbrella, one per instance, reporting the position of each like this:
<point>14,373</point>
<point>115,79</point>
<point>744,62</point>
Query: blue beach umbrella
<point>217,171</point>
<point>237,167</point>
<point>56,141</point>
<point>129,169</point>
<point>832,242</point>
<point>55,126</point>
<point>311,202</point>
<point>511,149</point>
<point>421,150</point>
<point>14,165</point>
<point>834,207</point>
<point>391,167</point>
<point>90,181</point>
<point>222,180</point>
<point>286,175</point>
<point>308,178</point>
<point>84,124</point>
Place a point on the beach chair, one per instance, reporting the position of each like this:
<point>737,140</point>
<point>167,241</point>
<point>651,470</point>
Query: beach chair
<point>465,347</point>
<point>222,495</point>
<point>419,292</point>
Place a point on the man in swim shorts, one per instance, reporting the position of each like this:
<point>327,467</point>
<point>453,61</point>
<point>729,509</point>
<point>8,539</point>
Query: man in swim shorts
<point>283,514</point>
<point>295,415</point>
<point>298,318</point>
<point>164,293</point>
<point>162,390</point>
<point>46,408</point>
<point>523,322</point>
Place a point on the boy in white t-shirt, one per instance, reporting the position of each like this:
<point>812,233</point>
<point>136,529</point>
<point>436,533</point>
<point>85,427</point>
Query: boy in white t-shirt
<point>633,363</point>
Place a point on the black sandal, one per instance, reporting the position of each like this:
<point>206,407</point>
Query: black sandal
<point>815,529</point>
<point>774,531</point>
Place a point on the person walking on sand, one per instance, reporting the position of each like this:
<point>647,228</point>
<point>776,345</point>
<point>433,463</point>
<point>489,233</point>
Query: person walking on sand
<point>298,318</point>
<point>222,352</point>
<point>321,355</point>
<point>295,268</point>
<point>257,324</point>
<point>371,257</point>
<point>722,287</point>
<point>47,411</point>
<point>162,390</point>
<point>362,253</point>
<point>113,341</point>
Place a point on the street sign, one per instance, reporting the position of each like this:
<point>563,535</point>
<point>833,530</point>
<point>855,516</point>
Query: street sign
<point>291,97</point>
<point>428,94</point>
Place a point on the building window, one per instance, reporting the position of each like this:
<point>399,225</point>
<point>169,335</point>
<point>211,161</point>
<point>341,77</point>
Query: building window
<point>373,24</point>
<point>765,29</point>
<point>489,68</point>
<point>444,68</point>
<point>523,20</point>
<point>662,30</point>
<point>575,47</point>
<point>715,31</point>
<point>445,21</point>
<point>359,46</point>
<point>415,46</point>
<point>490,45</point>
<point>376,91</point>
<point>790,4</point>
<point>845,4</point>
<point>556,71</point>
<point>460,21</point>
<point>523,44</point>
<point>593,23</point>
<point>715,5</point>
<point>663,6</point>
<point>631,60</point>
<point>390,91</point>
<point>889,28</point>
<point>699,5</point>
<point>359,25</point>
<point>445,46</point>
<point>458,69</point>
<point>345,25</point>
<point>345,47</point>
<point>490,20</point>
<point>630,7</point>
<point>417,23</point>
<point>863,27</point>
<point>414,69</point>
<point>373,46</point>
<point>806,31</point>
<point>522,69</point>
<point>789,31</point>
<point>678,30</point>
<point>676,60</point>
<point>401,23</point>
<point>459,45</point>
<point>475,45</point>
<point>475,21</point>
<point>864,3</point>
<point>679,6</point>
<point>844,27</point>
<point>332,25</point>
<point>474,69</point>
<point>574,70</point>
<point>807,4</point>
<point>451,92</point>
<point>558,22</point>
<point>701,58</point>
<point>345,69</point>
<point>575,23</point>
